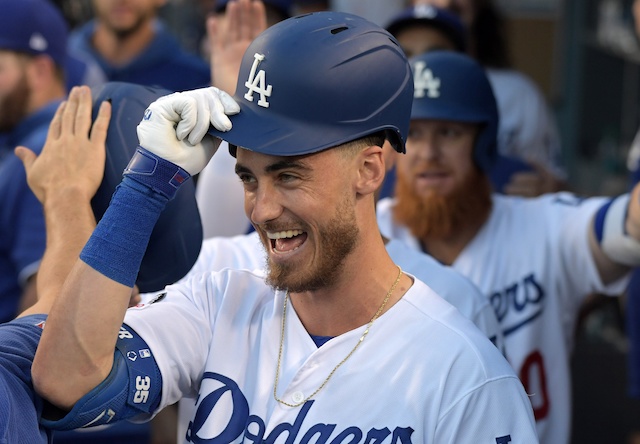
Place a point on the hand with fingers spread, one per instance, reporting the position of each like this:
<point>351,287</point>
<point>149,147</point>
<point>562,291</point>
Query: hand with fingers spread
<point>230,36</point>
<point>74,153</point>
<point>64,177</point>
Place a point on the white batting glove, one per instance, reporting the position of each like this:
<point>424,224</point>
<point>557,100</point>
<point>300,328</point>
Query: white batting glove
<point>175,126</point>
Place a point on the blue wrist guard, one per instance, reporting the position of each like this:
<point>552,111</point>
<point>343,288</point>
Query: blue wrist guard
<point>118,243</point>
<point>157,173</point>
<point>133,387</point>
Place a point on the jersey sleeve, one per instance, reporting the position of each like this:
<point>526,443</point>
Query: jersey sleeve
<point>177,326</point>
<point>574,218</point>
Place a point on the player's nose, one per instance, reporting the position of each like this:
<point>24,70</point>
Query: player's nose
<point>264,205</point>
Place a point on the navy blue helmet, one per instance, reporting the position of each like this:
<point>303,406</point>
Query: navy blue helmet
<point>177,237</point>
<point>319,80</point>
<point>452,86</point>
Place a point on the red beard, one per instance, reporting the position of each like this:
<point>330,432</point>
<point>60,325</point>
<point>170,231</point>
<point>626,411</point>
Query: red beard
<point>438,216</point>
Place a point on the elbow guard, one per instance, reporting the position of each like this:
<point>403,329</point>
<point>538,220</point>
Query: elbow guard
<point>133,387</point>
<point>610,232</point>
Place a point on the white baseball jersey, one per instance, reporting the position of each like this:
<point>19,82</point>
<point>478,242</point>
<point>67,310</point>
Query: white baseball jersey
<point>424,373</point>
<point>247,252</point>
<point>532,260</point>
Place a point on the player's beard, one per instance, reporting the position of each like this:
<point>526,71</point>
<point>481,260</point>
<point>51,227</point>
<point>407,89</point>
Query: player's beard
<point>124,30</point>
<point>123,33</point>
<point>13,107</point>
<point>437,216</point>
<point>338,239</point>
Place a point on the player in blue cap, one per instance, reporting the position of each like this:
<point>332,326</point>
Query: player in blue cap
<point>535,259</point>
<point>297,351</point>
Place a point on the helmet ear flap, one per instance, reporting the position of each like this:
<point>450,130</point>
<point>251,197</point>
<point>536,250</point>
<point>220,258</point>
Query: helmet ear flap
<point>180,241</point>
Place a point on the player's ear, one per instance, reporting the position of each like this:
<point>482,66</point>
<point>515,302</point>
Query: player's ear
<point>371,169</point>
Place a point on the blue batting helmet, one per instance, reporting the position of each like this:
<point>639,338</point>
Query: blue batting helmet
<point>319,80</point>
<point>177,237</point>
<point>452,86</point>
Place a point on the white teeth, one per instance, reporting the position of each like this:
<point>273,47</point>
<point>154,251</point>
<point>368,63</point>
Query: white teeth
<point>283,234</point>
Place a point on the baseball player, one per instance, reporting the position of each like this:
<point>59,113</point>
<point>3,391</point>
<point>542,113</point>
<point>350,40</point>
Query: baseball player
<point>247,252</point>
<point>336,342</point>
<point>535,259</point>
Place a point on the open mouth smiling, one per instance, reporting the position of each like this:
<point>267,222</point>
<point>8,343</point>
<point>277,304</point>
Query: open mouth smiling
<point>287,240</point>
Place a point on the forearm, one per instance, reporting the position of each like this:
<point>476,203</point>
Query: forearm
<point>615,240</point>
<point>77,346</point>
<point>76,350</point>
<point>69,221</point>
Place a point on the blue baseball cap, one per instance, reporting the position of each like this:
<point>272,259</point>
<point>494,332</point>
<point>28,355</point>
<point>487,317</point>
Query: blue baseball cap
<point>429,15</point>
<point>33,27</point>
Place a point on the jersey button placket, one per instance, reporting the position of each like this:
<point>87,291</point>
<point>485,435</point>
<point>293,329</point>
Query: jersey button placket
<point>297,397</point>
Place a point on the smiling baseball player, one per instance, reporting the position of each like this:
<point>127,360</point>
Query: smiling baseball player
<point>336,343</point>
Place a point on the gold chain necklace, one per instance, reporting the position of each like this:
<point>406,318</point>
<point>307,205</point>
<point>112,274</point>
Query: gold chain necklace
<point>366,332</point>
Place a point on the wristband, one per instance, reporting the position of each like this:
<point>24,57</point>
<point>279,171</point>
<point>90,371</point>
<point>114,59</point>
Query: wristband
<point>610,232</point>
<point>155,172</point>
<point>118,243</point>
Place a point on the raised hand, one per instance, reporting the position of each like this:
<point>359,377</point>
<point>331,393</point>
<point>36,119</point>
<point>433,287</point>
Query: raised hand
<point>73,156</point>
<point>229,37</point>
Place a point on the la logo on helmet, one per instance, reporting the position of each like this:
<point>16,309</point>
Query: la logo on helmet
<point>257,83</point>
<point>423,79</point>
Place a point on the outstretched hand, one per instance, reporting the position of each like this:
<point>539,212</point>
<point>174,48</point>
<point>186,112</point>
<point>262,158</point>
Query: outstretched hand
<point>64,177</point>
<point>230,36</point>
<point>74,153</point>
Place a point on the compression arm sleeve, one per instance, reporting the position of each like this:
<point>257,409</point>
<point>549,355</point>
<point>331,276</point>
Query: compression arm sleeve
<point>133,387</point>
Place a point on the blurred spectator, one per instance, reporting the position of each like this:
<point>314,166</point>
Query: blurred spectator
<point>131,44</point>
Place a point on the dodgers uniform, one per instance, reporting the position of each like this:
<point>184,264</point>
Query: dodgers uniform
<point>20,407</point>
<point>531,259</point>
<point>424,373</point>
<point>247,252</point>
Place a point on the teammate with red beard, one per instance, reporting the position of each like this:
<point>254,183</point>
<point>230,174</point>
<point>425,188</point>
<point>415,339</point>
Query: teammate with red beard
<point>536,259</point>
